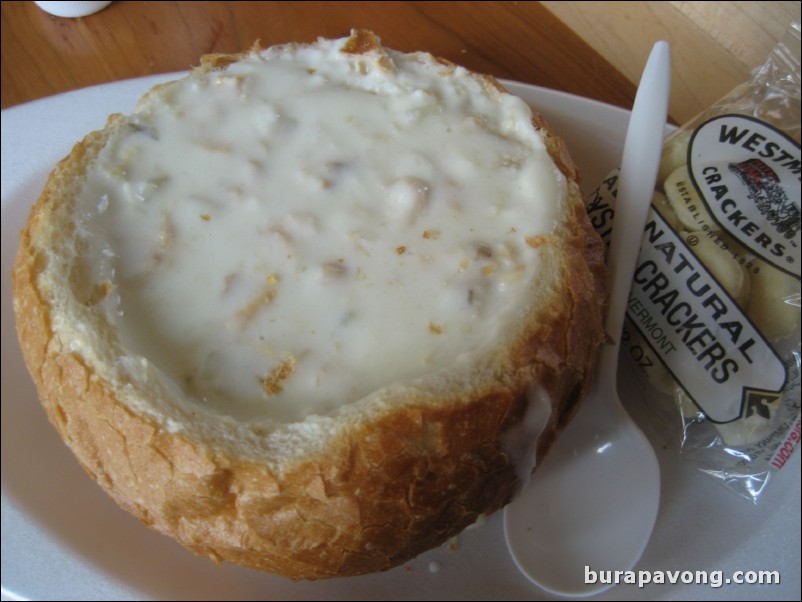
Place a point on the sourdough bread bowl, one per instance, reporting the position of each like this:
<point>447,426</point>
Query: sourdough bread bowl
<point>313,309</point>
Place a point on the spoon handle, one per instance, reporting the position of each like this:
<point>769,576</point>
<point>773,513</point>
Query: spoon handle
<point>636,181</point>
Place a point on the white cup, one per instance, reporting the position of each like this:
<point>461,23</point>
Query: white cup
<point>72,9</point>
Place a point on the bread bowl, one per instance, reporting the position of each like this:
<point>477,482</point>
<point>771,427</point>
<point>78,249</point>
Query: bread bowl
<point>452,389</point>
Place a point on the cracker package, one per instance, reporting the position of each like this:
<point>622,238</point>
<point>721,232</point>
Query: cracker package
<point>714,313</point>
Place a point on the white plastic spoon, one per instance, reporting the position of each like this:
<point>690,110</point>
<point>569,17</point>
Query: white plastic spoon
<point>592,505</point>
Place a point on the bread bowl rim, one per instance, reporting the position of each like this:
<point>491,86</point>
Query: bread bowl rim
<point>82,383</point>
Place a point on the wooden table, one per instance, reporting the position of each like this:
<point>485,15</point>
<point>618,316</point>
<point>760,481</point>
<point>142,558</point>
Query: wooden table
<point>594,49</point>
<point>43,55</point>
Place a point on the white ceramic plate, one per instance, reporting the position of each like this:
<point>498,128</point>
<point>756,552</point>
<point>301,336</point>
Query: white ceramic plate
<point>62,537</point>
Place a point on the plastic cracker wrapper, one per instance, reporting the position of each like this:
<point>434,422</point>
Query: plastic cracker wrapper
<point>713,317</point>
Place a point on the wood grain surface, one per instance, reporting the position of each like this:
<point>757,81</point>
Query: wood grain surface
<point>714,45</point>
<point>44,55</point>
<point>593,49</point>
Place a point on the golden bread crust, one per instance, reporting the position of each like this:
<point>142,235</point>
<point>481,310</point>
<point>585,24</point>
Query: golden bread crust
<point>381,491</point>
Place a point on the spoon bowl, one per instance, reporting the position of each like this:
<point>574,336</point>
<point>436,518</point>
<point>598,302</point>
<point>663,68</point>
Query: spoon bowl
<point>591,507</point>
<point>603,485</point>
